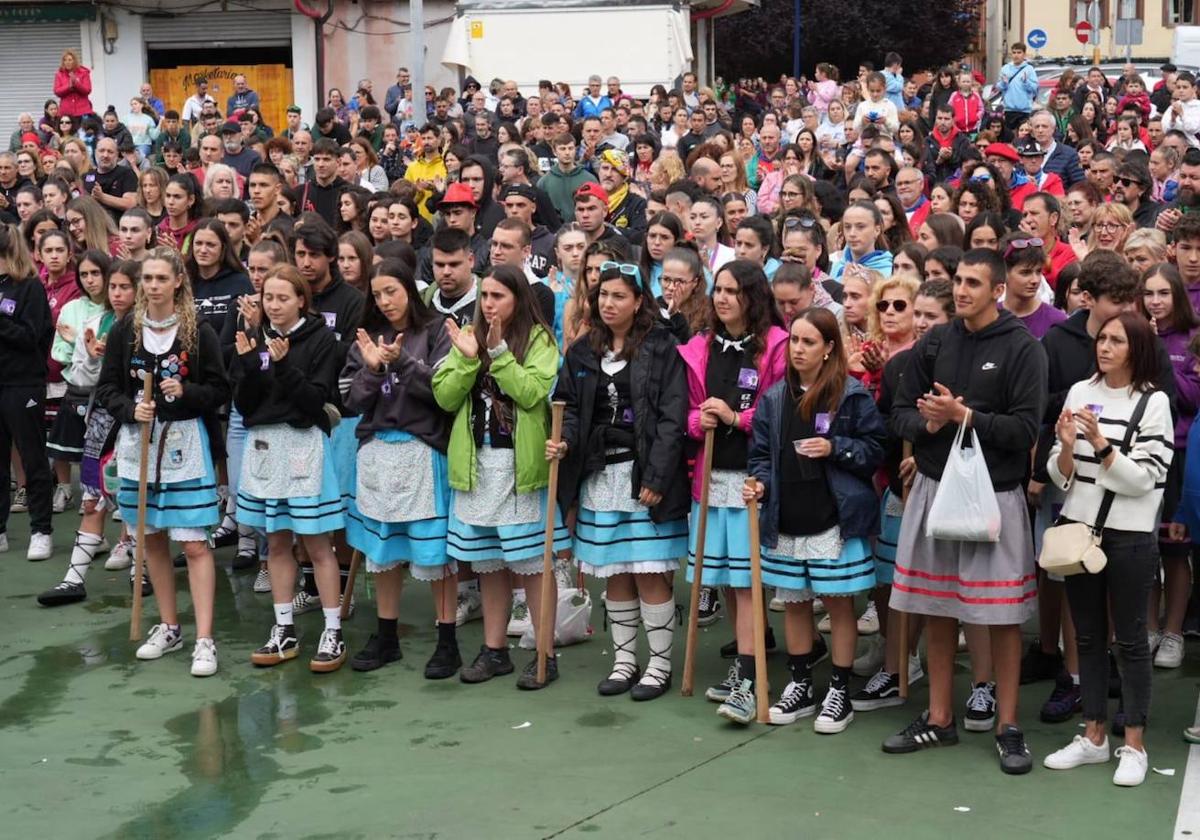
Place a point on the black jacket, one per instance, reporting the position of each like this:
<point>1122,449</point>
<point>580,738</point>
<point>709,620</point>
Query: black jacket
<point>630,217</point>
<point>658,382</point>
<point>205,385</point>
<point>1000,372</point>
<point>216,299</point>
<point>293,390</point>
<point>26,332</point>
<point>341,305</point>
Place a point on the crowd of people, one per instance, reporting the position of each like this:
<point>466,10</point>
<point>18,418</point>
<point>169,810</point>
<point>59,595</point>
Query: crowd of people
<point>347,337</point>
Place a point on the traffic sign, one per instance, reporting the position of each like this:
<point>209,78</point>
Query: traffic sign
<point>1083,31</point>
<point>1036,38</point>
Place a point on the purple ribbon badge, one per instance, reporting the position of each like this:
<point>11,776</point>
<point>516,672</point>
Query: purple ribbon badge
<point>822,422</point>
<point>748,378</point>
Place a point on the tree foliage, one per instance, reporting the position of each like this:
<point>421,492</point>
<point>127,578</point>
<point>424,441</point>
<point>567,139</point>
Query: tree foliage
<point>844,33</point>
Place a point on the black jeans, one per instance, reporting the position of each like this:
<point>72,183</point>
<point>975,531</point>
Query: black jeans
<point>1125,584</point>
<point>1013,119</point>
<point>23,424</point>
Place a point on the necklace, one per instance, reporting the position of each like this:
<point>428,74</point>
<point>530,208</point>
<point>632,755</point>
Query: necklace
<point>165,324</point>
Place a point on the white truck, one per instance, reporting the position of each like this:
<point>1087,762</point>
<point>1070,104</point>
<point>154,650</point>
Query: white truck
<point>643,42</point>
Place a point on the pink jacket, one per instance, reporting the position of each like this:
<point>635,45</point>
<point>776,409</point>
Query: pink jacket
<point>771,366</point>
<point>73,90</point>
<point>823,93</point>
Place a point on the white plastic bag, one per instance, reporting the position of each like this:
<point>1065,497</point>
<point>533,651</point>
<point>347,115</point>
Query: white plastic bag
<point>574,621</point>
<point>965,506</point>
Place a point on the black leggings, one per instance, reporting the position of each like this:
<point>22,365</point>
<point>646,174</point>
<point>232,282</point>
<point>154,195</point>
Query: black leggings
<point>1125,584</point>
<point>23,425</point>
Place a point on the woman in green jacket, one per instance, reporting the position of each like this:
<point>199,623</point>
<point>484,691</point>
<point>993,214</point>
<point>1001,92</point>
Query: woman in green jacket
<point>496,382</point>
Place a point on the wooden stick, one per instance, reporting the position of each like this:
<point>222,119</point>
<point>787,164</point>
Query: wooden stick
<point>903,616</point>
<point>689,654</point>
<point>139,550</point>
<point>548,610</point>
<point>355,562</point>
<point>761,687</point>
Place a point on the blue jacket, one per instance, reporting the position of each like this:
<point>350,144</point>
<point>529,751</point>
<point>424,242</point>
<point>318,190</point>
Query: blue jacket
<point>880,261</point>
<point>1064,162</point>
<point>585,107</point>
<point>1019,84</point>
<point>895,89</point>
<point>857,435</point>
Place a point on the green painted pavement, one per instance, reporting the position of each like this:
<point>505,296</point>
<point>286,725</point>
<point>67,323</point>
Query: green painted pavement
<point>96,744</point>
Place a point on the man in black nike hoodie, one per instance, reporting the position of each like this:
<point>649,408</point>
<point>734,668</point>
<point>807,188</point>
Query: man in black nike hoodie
<point>986,372</point>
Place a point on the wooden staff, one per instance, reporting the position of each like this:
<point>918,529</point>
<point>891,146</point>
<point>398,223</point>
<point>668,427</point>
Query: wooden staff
<point>903,616</point>
<point>761,688</point>
<point>139,550</point>
<point>548,611</point>
<point>689,654</point>
<point>355,562</point>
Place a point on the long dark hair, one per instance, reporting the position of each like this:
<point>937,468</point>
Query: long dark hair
<point>758,303</point>
<point>1143,351</point>
<point>827,391</point>
<point>600,336</point>
<point>667,220</point>
<point>419,314</point>
<point>1183,316</point>
<point>229,260</point>
<point>527,314</point>
<point>187,181</point>
<point>103,262</point>
<point>899,232</point>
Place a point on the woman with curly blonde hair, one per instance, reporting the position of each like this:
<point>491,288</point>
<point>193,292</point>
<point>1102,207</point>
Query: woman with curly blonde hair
<point>666,170</point>
<point>164,348</point>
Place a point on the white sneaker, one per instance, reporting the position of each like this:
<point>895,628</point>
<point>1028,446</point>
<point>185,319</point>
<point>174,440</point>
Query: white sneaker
<point>40,547</point>
<point>519,621</point>
<point>915,671</point>
<point>470,606</point>
<point>61,499</point>
<point>204,658</point>
<point>1153,639</point>
<point>104,547</point>
<point>3,543</point>
<point>868,625</point>
<point>825,625</point>
<point>262,581</point>
<point>121,557</point>
<point>161,641</point>
<point>818,606</point>
<point>1170,651</point>
<point>872,658</point>
<point>1131,772</point>
<point>1077,753</point>
<point>776,606</point>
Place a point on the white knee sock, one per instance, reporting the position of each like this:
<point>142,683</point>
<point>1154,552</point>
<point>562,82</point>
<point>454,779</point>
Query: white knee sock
<point>81,556</point>
<point>659,621</point>
<point>623,618</point>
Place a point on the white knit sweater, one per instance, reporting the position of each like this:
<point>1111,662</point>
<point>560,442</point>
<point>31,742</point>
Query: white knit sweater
<point>1137,476</point>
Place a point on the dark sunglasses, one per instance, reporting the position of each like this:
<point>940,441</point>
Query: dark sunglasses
<point>1128,182</point>
<point>898,305</point>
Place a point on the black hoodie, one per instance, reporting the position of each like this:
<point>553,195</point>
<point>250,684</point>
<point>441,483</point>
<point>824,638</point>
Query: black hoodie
<point>26,332</point>
<point>216,298</point>
<point>1000,372</point>
<point>489,212</point>
<point>293,390</point>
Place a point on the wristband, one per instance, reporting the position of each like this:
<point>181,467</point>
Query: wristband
<point>1105,452</point>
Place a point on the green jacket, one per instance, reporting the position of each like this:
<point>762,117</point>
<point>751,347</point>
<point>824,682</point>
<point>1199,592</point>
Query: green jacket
<point>528,384</point>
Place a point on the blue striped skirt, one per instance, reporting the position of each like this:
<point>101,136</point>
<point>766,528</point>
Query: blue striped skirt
<point>344,442</point>
<point>822,564</point>
<point>420,542</point>
<point>182,504</point>
<point>885,543</point>
<point>320,514</point>
<point>614,533</point>
<point>485,545</point>
<point>726,547</point>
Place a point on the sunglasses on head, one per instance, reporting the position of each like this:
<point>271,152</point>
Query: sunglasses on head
<point>628,269</point>
<point>793,222</point>
<point>1022,244</point>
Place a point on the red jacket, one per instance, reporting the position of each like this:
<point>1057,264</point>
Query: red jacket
<point>1061,255</point>
<point>968,111</point>
<point>919,216</point>
<point>1019,194</point>
<point>73,90</point>
<point>1048,182</point>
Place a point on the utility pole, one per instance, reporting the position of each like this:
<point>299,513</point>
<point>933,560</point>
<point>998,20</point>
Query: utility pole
<point>416,48</point>
<point>796,42</point>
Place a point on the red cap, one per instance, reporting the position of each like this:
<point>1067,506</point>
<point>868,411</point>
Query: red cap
<point>30,137</point>
<point>459,194</point>
<point>591,190</point>
<point>1001,150</point>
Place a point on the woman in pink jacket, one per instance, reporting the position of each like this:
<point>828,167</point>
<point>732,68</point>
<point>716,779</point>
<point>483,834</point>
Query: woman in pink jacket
<point>729,366</point>
<point>73,86</point>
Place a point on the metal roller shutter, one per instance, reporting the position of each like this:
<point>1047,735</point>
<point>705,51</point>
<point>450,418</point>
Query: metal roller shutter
<point>34,53</point>
<point>241,28</point>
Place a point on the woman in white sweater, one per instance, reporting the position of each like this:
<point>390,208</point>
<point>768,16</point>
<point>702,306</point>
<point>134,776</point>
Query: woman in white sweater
<point>1090,460</point>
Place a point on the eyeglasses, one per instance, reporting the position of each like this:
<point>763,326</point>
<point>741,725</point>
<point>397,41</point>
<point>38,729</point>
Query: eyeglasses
<point>790,194</point>
<point>1022,244</point>
<point>1128,182</point>
<point>897,305</point>
<point>1110,226</point>
<point>676,281</point>
<point>628,269</point>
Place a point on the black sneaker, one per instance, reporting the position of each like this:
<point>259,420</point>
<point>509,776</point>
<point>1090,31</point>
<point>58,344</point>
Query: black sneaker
<point>64,593</point>
<point>1015,759</point>
<point>331,652</point>
<point>881,692</point>
<point>528,680</point>
<point>1065,701</point>
<point>147,587</point>
<point>1037,665</point>
<point>920,735</point>
<point>796,702</point>
<point>489,663</point>
<point>281,646</point>
<point>376,654</point>
<point>444,663</point>
<point>710,606</point>
<point>245,559</point>
<point>729,649</point>
<point>836,712</point>
<point>981,708</point>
